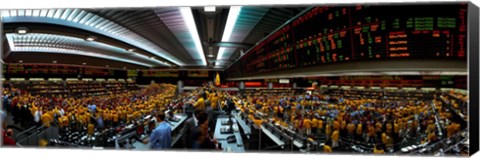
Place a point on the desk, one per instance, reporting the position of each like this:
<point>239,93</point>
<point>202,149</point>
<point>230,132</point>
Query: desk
<point>272,136</point>
<point>140,146</point>
<point>222,138</point>
<point>175,125</point>
<point>297,143</point>
<point>242,124</point>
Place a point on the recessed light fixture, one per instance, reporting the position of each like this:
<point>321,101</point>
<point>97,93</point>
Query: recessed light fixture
<point>131,49</point>
<point>211,55</point>
<point>209,9</point>
<point>20,61</point>
<point>91,38</point>
<point>54,61</point>
<point>233,15</point>
<point>107,65</point>
<point>124,68</point>
<point>84,63</point>
<point>152,57</point>
<point>22,30</point>
<point>187,15</point>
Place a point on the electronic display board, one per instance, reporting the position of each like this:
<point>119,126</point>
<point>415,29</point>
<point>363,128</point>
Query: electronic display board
<point>132,73</point>
<point>333,34</point>
<point>197,73</point>
<point>15,69</point>
<point>4,70</point>
<point>41,69</point>
<point>160,73</point>
<point>397,81</point>
<point>98,72</point>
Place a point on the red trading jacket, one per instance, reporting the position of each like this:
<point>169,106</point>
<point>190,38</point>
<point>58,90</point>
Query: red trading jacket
<point>7,141</point>
<point>15,101</point>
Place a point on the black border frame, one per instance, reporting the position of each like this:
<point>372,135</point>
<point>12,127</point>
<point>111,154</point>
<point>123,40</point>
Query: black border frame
<point>473,79</point>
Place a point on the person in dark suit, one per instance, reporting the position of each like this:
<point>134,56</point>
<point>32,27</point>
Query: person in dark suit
<point>189,127</point>
<point>211,118</point>
<point>230,106</point>
<point>201,138</point>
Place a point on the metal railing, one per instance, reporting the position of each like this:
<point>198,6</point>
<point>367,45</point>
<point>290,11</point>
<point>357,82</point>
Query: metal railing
<point>25,133</point>
<point>442,144</point>
<point>37,134</point>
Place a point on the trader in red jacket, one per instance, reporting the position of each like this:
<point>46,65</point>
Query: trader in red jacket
<point>7,140</point>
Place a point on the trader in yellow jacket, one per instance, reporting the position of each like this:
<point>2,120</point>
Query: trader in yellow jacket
<point>377,151</point>
<point>335,138</point>
<point>90,129</point>
<point>350,130</point>
<point>307,124</point>
<point>327,148</point>
<point>200,103</point>
<point>314,126</point>
<point>320,126</point>
<point>214,101</point>
<point>370,133</point>
<point>359,130</point>
<point>328,131</point>
<point>46,119</point>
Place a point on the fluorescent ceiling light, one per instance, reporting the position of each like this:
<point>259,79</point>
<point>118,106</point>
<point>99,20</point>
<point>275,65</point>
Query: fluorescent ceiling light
<point>22,30</point>
<point>83,19</point>
<point>403,73</point>
<point>151,59</point>
<point>190,22</point>
<point>231,20</point>
<point>454,73</point>
<point>211,55</point>
<point>75,52</point>
<point>209,9</point>
<point>91,38</point>
<point>31,44</point>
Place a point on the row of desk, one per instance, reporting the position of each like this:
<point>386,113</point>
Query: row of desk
<point>237,123</point>
<point>277,134</point>
<point>236,146</point>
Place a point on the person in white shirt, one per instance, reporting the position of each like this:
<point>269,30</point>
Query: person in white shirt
<point>3,115</point>
<point>62,112</point>
<point>37,116</point>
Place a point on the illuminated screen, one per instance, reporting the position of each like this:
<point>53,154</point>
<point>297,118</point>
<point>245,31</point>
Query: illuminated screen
<point>325,35</point>
<point>41,69</point>
<point>197,73</point>
<point>98,72</point>
<point>132,73</point>
<point>157,73</point>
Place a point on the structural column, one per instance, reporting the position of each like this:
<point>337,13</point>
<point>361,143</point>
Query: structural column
<point>241,85</point>
<point>180,86</point>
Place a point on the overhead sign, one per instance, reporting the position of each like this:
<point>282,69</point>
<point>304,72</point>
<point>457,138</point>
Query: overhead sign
<point>285,81</point>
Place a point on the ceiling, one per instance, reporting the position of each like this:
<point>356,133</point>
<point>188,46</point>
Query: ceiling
<point>173,37</point>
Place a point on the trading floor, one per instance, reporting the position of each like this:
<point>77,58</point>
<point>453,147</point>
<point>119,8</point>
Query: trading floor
<point>322,120</point>
<point>354,78</point>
